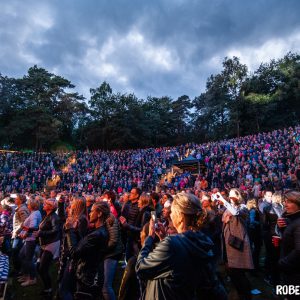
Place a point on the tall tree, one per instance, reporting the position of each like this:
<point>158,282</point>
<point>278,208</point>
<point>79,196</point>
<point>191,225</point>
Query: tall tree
<point>235,75</point>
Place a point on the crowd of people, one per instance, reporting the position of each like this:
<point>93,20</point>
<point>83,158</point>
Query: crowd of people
<point>252,163</point>
<point>87,211</point>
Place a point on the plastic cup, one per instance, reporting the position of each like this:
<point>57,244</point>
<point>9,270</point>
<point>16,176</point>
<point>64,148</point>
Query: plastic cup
<point>276,240</point>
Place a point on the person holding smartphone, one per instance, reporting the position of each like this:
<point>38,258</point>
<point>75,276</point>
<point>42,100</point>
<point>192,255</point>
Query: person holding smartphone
<point>180,266</point>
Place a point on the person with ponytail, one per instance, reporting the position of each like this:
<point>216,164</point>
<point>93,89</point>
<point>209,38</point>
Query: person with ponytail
<point>181,265</point>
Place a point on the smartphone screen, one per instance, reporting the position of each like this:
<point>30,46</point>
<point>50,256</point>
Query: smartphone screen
<point>153,216</point>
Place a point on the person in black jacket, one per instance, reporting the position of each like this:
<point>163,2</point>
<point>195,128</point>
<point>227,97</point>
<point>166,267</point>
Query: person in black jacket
<point>91,250</point>
<point>74,230</point>
<point>143,217</point>
<point>113,255</point>
<point>49,238</point>
<point>254,232</point>
<point>271,213</point>
<point>129,216</point>
<point>180,266</point>
<point>289,262</point>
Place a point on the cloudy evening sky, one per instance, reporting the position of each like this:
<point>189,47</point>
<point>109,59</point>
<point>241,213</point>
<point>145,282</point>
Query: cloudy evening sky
<point>158,47</point>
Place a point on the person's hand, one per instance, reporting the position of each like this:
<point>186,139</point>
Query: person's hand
<point>61,198</point>
<point>276,240</point>
<point>110,220</point>
<point>281,222</point>
<point>151,229</point>
<point>123,220</point>
<point>160,231</point>
<point>35,234</point>
<point>220,197</point>
<point>68,225</point>
<point>91,226</point>
<point>226,219</point>
<point>23,235</point>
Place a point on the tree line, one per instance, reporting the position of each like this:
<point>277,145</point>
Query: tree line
<point>41,110</point>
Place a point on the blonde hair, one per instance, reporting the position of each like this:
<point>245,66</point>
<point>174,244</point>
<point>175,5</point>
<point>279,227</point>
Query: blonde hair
<point>78,209</point>
<point>144,199</point>
<point>277,198</point>
<point>90,198</point>
<point>189,206</point>
<point>251,204</point>
<point>33,203</point>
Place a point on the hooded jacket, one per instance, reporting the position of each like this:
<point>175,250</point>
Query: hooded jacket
<point>178,267</point>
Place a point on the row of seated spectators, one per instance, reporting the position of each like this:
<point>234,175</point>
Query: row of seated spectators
<point>252,163</point>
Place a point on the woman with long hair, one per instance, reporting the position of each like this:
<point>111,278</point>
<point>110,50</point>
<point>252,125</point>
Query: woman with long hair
<point>91,250</point>
<point>180,266</point>
<point>74,230</point>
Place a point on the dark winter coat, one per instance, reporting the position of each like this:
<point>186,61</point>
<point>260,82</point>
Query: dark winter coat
<point>289,262</point>
<point>89,253</point>
<point>178,267</point>
<point>49,229</point>
<point>115,245</point>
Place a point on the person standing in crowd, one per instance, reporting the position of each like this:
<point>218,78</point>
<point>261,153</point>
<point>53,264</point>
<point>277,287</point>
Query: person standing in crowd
<point>29,227</point>
<point>131,287</point>
<point>129,216</point>
<point>166,217</point>
<point>5,228</point>
<point>156,204</point>
<point>212,226</point>
<point>142,218</point>
<point>271,213</point>
<point>49,238</point>
<point>254,230</point>
<point>266,201</point>
<point>236,244</point>
<point>113,255</point>
<point>75,229</point>
<point>184,273</point>
<point>90,200</point>
<point>289,225</point>
<point>114,206</point>
<point>124,199</point>
<point>90,252</point>
<point>20,215</point>
<point>165,198</point>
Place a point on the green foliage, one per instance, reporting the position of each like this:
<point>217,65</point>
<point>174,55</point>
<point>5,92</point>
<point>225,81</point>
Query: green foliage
<point>39,112</point>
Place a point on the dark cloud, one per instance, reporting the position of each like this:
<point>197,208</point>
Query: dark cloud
<point>166,47</point>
